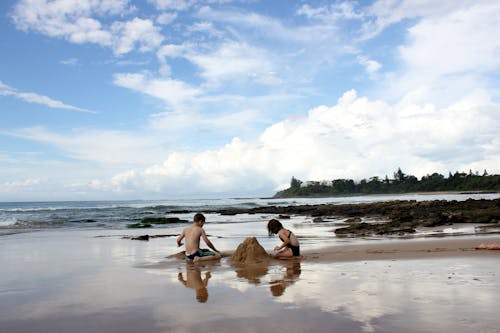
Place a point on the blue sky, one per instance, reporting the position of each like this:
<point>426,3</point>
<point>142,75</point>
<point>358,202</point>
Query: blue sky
<point>158,99</point>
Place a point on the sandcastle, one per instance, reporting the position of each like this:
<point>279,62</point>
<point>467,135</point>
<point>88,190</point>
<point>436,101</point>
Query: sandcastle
<point>250,252</point>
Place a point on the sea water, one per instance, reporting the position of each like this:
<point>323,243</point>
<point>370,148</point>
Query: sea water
<point>18,217</point>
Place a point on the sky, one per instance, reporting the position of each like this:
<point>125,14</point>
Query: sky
<point>169,99</point>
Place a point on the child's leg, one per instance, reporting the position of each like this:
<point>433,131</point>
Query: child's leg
<point>207,255</point>
<point>284,254</point>
<point>211,257</point>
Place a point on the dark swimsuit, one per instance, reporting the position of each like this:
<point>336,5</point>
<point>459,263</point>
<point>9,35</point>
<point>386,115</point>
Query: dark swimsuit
<point>295,249</point>
<point>200,253</point>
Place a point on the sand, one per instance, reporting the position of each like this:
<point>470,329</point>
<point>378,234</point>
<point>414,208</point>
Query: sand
<point>73,281</point>
<point>426,248</point>
<point>249,252</point>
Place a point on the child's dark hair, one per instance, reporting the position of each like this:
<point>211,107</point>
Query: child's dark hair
<point>199,217</point>
<point>273,226</point>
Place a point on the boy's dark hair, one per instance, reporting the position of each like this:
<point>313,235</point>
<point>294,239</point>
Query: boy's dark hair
<point>199,217</point>
<point>273,226</point>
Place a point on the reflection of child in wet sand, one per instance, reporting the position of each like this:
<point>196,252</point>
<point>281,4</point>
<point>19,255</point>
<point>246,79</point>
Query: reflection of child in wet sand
<point>293,271</point>
<point>194,281</point>
<point>290,248</point>
<point>193,235</point>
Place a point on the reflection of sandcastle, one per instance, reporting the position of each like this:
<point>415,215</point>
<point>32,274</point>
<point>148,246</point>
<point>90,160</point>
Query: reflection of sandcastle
<point>250,252</point>
<point>250,260</point>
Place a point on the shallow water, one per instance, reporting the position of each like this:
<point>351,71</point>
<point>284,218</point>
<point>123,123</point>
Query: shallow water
<point>72,281</point>
<point>23,216</point>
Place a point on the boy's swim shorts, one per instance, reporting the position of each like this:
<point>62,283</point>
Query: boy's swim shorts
<point>200,253</point>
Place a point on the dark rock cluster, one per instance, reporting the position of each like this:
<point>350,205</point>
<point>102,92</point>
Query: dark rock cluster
<point>400,216</point>
<point>147,222</point>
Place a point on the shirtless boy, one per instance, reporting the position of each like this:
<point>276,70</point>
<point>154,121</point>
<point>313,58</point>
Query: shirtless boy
<point>193,235</point>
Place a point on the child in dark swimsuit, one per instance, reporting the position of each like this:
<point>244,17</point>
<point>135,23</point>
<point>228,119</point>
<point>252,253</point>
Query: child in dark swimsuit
<point>290,248</point>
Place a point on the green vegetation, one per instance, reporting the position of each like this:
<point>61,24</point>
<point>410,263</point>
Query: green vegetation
<point>401,183</point>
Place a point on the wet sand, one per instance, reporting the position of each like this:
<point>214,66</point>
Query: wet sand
<point>427,248</point>
<point>73,281</point>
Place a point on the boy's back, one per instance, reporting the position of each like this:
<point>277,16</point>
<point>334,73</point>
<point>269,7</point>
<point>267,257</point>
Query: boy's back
<point>192,235</point>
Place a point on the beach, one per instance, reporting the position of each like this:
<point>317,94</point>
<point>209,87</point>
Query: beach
<point>98,279</point>
<point>111,284</point>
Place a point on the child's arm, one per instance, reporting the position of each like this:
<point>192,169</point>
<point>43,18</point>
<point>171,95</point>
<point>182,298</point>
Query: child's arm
<point>286,240</point>
<point>207,241</point>
<point>208,275</point>
<point>181,279</point>
<point>180,238</point>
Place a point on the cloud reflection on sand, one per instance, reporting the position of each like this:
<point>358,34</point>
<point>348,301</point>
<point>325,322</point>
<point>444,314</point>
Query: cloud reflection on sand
<point>428,295</point>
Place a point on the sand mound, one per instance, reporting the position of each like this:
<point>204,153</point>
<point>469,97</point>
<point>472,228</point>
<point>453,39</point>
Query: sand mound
<point>250,251</point>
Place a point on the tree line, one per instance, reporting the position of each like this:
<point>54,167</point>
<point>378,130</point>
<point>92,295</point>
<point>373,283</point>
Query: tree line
<point>400,183</point>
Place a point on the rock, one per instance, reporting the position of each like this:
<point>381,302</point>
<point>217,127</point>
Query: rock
<point>162,220</point>
<point>317,219</point>
<point>142,238</point>
<point>404,215</point>
<point>249,252</point>
<point>284,217</point>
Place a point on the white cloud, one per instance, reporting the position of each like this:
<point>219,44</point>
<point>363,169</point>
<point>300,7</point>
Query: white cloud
<point>70,61</point>
<point>31,97</point>
<point>446,56</point>
<point>355,138</point>
<point>136,31</point>
<point>105,147</point>
<point>336,11</point>
<point>20,185</point>
<point>173,4</point>
<point>461,41</point>
<point>62,18</point>
<point>230,61</point>
<point>226,123</point>
<point>79,22</point>
<point>166,18</point>
<point>371,66</point>
<point>176,94</point>
<point>387,12</point>
<point>233,61</point>
<point>264,27</point>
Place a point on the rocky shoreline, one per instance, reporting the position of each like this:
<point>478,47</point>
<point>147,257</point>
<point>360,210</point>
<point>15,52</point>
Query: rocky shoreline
<point>392,217</point>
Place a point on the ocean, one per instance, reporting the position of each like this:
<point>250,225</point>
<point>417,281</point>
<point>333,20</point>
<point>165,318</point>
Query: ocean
<point>117,215</point>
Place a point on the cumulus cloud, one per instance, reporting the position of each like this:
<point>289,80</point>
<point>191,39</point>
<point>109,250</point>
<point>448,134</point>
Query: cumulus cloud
<point>463,57</point>
<point>35,98</point>
<point>80,22</point>
<point>137,31</point>
<point>355,138</point>
<point>461,41</point>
